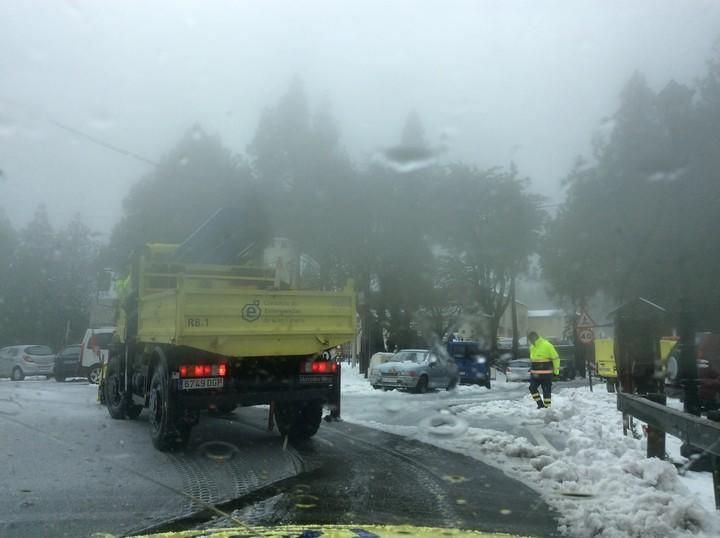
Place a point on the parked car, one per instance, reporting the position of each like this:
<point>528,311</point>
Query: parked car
<point>94,346</point>
<point>472,361</point>
<point>67,363</point>
<point>565,350</point>
<point>17,362</point>
<point>518,370</point>
<point>418,370</point>
<point>377,359</point>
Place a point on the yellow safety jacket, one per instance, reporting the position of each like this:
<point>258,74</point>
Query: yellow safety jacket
<point>544,358</point>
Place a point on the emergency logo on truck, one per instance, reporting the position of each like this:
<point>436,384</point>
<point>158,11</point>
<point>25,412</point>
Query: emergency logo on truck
<point>252,311</point>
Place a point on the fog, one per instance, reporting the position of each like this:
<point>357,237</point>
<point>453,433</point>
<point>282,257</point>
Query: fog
<point>500,81</point>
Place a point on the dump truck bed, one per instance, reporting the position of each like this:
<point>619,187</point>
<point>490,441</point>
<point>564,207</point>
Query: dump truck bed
<point>237,311</point>
<point>246,322</point>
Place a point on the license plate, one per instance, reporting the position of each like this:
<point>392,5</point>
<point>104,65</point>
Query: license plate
<point>203,383</point>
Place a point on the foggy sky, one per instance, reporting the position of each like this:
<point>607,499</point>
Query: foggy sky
<point>529,81</point>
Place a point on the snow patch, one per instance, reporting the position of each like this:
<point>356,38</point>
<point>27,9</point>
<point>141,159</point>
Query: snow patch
<point>599,482</point>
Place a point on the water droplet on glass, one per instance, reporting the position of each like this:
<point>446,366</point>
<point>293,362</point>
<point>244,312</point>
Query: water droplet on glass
<point>405,159</point>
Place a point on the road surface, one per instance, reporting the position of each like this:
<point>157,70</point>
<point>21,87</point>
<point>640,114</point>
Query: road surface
<point>67,469</point>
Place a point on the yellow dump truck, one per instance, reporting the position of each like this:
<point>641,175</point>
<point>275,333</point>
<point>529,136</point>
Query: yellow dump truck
<point>196,336</point>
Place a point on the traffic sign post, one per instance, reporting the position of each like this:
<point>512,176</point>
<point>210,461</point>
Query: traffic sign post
<point>584,321</point>
<point>586,335</point>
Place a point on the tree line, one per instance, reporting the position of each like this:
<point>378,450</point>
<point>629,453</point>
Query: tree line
<point>47,281</point>
<point>428,242</point>
<point>641,215</point>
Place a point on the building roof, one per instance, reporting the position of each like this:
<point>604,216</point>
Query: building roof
<point>546,313</point>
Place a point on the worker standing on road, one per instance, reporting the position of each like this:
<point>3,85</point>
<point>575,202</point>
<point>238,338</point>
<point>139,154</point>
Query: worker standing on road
<point>544,363</point>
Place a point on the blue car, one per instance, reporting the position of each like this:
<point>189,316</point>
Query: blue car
<point>472,361</point>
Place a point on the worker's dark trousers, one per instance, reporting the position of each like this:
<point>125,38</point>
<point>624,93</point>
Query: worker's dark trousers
<point>544,381</point>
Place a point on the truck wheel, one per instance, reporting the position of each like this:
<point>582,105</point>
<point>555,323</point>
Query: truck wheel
<point>165,433</point>
<point>487,384</point>
<point>114,397</point>
<point>17,374</point>
<point>93,376</point>
<point>298,420</point>
<point>59,378</point>
<point>453,383</point>
<point>133,411</point>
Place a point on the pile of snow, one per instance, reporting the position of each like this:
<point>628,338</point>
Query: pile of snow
<point>600,483</point>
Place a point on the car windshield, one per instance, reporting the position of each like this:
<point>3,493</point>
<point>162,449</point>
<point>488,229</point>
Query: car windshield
<point>410,356</point>
<point>271,265</point>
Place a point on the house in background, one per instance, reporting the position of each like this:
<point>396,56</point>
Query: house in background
<point>548,322</point>
<point>477,327</point>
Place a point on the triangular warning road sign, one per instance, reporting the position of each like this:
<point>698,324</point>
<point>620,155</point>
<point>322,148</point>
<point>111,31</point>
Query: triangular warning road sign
<point>585,320</point>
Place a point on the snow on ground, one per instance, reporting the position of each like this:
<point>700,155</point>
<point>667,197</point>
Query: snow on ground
<point>574,454</point>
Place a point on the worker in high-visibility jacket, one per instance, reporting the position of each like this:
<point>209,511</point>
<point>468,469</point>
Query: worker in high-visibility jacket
<point>544,363</point>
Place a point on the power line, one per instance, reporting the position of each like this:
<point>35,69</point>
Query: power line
<point>77,132</point>
<point>102,143</point>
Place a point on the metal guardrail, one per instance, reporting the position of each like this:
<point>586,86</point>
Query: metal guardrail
<point>701,433</point>
<point>698,432</point>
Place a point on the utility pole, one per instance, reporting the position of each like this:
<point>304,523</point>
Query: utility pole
<point>513,312</point>
<point>688,363</point>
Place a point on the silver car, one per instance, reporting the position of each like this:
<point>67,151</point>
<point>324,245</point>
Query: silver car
<point>416,369</point>
<point>518,370</point>
<point>16,362</point>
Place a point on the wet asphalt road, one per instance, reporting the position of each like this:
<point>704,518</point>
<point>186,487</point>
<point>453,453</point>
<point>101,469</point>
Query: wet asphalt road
<point>67,469</point>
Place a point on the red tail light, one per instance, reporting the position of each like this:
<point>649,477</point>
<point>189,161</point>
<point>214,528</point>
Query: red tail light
<point>203,370</point>
<point>27,358</point>
<point>318,367</point>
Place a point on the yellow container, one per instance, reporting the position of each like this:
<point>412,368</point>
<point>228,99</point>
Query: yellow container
<point>605,358</point>
<point>236,311</point>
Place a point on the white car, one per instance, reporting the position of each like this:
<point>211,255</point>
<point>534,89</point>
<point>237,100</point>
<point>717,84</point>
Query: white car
<point>93,352</point>
<point>518,370</point>
<point>376,360</point>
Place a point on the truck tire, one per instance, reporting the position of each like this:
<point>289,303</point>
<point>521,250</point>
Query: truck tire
<point>298,420</point>
<point>133,411</point>
<point>165,433</point>
<point>114,397</point>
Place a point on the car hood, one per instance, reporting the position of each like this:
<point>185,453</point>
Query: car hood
<point>332,531</point>
<point>397,367</point>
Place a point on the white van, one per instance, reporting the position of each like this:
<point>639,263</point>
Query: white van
<point>94,351</point>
